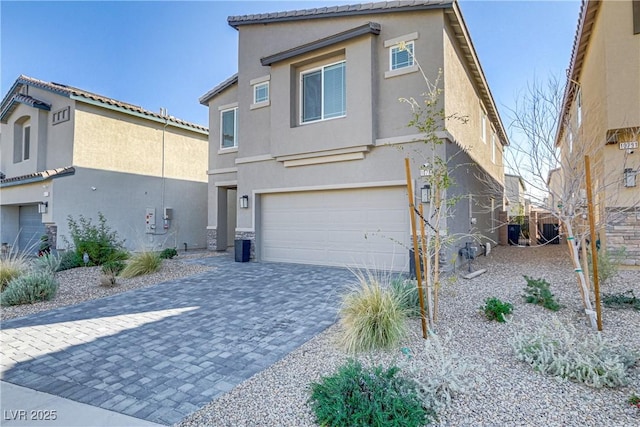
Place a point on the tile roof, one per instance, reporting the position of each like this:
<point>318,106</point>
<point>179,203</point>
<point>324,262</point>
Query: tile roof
<point>333,11</point>
<point>80,94</point>
<point>204,99</point>
<point>37,176</point>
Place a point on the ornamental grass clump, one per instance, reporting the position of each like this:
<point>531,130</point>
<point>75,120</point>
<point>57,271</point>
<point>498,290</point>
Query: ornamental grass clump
<point>372,315</point>
<point>358,396</point>
<point>28,288</point>
<point>559,350</point>
<point>407,291</point>
<point>11,268</point>
<point>142,263</point>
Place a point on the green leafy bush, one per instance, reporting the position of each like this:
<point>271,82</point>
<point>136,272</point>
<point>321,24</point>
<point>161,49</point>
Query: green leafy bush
<point>357,396</point>
<point>372,315</point>
<point>69,260</point>
<point>29,288</point>
<point>440,374</point>
<point>559,350</point>
<point>407,292</point>
<point>537,292</point>
<point>168,253</point>
<point>97,240</point>
<point>494,309</point>
<point>624,300</point>
<point>142,263</point>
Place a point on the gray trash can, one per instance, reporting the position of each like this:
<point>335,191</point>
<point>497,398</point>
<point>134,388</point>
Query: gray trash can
<point>243,250</point>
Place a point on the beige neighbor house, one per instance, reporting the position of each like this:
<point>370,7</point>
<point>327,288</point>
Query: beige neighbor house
<point>308,140</point>
<point>601,118</point>
<point>514,192</point>
<point>66,151</point>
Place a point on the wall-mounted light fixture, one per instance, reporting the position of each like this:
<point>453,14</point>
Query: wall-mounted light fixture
<point>426,193</point>
<point>244,202</point>
<point>42,207</point>
<point>629,177</point>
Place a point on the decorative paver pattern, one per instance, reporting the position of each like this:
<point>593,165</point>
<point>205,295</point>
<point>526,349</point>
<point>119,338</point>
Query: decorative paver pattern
<point>161,352</point>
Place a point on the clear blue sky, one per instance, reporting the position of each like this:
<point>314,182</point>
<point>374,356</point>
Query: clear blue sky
<point>167,54</point>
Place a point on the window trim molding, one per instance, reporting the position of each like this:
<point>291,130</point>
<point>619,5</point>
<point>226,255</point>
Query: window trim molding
<point>390,44</point>
<point>301,75</point>
<point>265,102</point>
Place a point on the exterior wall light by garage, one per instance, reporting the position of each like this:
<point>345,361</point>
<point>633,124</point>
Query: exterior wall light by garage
<point>42,207</point>
<point>244,202</point>
<point>629,177</point>
<point>426,193</point>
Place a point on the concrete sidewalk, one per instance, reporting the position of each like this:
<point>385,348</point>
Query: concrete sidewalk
<point>23,407</point>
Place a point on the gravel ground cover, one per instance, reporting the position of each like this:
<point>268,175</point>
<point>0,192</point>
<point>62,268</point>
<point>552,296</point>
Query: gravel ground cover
<point>81,284</point>
<point>506,392</point>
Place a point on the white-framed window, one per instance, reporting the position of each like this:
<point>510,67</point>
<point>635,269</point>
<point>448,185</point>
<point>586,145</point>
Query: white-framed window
<point>483,125</point>
<point>323,93</point>
<point>570,141</point>
<point>401,55</point>
<point>579,108</point>
<point>22,139</point>
<point>261,92</point>
<point>493,147</point>
<point>229,128</point>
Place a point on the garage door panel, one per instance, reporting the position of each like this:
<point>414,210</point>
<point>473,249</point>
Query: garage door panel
<point>341,227</point>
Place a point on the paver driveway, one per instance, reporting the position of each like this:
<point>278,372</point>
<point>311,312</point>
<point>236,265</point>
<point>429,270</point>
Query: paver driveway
<point>159,353</point>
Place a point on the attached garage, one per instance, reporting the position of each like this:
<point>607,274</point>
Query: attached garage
<point>354,227</point>
<point>31,228</point>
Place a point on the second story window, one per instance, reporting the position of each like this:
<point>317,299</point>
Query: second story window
<point>494,143</point>
<point>483,126</point>
<point>261,93</point>
<point>26,142</point>
<point>401,56</point>
<point>228,128</point>
<point>323,93</point>
<point>21,140</point>
<point>579,108</point>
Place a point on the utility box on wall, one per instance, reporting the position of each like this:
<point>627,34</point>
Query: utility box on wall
<point>150,220</point>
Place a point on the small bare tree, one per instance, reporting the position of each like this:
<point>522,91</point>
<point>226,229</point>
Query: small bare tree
<point>548,150</point>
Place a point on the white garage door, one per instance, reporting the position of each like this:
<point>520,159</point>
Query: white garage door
<point>338,227</point>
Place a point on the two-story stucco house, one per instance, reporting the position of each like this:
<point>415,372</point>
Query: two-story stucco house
<point>600,117</point>
<point>308,139</point>
<point>66,151</point>
<point>514,194</point>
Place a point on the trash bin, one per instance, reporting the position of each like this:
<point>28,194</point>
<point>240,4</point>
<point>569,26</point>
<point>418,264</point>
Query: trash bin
<point>243,250</point>
<point>514,234</point>
<point>412,265</point>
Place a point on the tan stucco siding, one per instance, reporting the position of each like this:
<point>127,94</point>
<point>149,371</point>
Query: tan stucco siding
<point>122,143</point>
<point>461,99</point>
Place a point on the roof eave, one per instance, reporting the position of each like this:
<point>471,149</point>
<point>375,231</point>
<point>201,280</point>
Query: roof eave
<point>204,99</point>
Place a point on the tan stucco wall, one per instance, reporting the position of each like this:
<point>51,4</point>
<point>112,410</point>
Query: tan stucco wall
<point>113,141</point>
<point>462,99</point>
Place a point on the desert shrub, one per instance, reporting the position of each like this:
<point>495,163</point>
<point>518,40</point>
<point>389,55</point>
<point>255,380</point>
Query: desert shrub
<point>29,288</point>
<point>49,263</point>
<point>97,240</point>
<point>357,396</point>
<point>69,260</point>
<point>168,253</point>
<point>559,350</point>
<point>494,309</point>
<point>440,374</point>
<point>623,300</point>
<point>608,263</point>
<point>537,292</point>
<point>142,263</point>
<point>371,315</point>
<point>407,292</point>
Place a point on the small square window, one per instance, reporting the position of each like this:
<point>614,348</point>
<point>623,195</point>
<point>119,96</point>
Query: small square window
<point>261,93</point>
<point>401,55</point>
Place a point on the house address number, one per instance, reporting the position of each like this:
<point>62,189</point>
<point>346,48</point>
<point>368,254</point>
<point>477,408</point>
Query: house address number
<point>628,145</point>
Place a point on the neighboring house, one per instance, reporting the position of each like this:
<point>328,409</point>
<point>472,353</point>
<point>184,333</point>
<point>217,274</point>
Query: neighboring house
<point>66,151</point>
<point>514,194</point>
<point>308,140</point>
<point>600,117</point>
